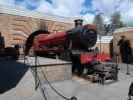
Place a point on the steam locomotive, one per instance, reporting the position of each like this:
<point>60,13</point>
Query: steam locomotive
<point>80,38</point>
<point>75,45</point>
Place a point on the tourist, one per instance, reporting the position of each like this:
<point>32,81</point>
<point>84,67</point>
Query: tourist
<point>125,49</point>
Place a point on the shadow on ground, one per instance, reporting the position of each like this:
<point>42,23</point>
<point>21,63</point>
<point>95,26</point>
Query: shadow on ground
<point>11,72</point>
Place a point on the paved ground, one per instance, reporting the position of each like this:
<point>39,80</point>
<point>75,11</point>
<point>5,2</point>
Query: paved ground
<point>17,83</point>
<point>85,90</point>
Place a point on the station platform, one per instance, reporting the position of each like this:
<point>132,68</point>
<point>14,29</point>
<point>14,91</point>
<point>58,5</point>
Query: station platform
<point>17,83</point>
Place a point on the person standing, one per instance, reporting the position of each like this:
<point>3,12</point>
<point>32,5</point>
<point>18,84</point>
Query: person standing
<point>2,41</point>
<point>2,45</point>
<point>125,49</point>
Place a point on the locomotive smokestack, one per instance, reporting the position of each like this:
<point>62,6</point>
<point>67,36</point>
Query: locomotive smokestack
<point>78,22</point>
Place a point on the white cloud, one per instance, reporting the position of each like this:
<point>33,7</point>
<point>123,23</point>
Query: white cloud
<point>62,7</point>
<point>105,6</point>
<point>109,6</point>
<point>126,10</point>
<point>106,19</point>
<point>45,7</point>
<point>88,18</point>
<point>7,2</point>
<point>71,8</point>
<point>127,16</point>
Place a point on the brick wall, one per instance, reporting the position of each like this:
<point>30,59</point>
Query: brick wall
<point>105,47</point>
<point>16,29</point>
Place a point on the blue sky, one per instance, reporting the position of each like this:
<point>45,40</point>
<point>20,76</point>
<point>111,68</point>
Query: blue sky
<point>85,8</point>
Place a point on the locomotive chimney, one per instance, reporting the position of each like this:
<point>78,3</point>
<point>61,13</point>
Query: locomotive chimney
<point>78,22</point>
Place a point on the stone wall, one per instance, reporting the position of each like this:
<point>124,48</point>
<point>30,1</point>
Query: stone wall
<point>16,29</point>
<point>57,72</point>
<point>105,47</point>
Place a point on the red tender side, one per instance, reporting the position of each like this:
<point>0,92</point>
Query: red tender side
<point>86,58</point>
<point>103,57</point>
<point>89,57</point>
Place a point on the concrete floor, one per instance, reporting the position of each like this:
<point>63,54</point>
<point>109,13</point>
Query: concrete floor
<point>85,90</point>
<point>23,88</point>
